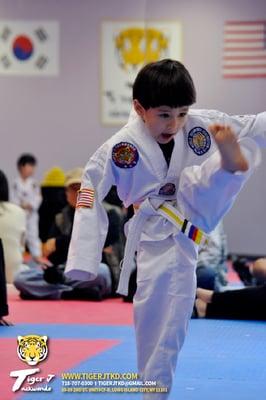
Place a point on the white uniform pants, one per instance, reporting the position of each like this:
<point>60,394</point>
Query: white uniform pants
<point>32,233</point>
<point>163,305</point>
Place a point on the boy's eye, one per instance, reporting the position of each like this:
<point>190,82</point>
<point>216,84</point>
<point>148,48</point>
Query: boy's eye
<point>164,115</point>
<point>182,115</point>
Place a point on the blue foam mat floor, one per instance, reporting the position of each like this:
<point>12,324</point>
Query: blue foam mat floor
<point>220,359</point>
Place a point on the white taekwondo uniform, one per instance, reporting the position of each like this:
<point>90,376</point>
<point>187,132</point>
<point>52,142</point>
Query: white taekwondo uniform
<point>166,260</point>
<point>28,191</point>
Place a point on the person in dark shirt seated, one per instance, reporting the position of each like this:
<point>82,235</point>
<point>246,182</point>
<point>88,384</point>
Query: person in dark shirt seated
<point>245,304</point>
<point>49,282</point>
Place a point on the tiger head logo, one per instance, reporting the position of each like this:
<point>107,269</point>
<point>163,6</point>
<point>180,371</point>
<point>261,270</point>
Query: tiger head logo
<point>136,46</point>
<point>32,349</point>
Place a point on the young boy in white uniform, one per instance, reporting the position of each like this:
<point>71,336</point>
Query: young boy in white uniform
<point>26,194</point>
<point>155,163</point>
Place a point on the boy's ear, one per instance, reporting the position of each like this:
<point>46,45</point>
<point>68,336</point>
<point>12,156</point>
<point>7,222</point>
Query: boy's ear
<point>138,108</point>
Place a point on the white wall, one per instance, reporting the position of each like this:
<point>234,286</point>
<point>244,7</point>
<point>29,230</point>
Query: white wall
<point>58,119</point>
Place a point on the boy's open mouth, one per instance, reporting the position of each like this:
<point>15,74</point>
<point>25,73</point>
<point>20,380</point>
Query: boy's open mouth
<point>167,135</point>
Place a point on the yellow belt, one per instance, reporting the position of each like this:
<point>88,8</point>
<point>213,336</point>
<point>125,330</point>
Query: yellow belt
<point>147,209</point>
<point>185,226</point>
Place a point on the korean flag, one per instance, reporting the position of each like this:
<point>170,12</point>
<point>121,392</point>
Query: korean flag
<point>29,48</point>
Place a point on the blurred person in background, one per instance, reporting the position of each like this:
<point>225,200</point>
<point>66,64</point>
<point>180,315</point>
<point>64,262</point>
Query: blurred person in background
<point>12,231</point>
<point>48,281</point>
<point>26,194</point>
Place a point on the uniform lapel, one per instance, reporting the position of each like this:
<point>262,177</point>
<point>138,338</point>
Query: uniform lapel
<point>177,158</point>
<point>148,147</point>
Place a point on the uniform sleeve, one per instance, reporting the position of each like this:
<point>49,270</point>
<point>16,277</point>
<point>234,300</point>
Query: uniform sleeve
<point>207,192</point>
<point>253,126</point>
<point>35,197</point>
<point>23,230</point>
<point>90,221</point>
<point>14,194</point>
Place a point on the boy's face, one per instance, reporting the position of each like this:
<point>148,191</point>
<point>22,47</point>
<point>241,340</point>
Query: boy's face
<point>163,122</point>
<point>26,170</point>
<point>72,194</point>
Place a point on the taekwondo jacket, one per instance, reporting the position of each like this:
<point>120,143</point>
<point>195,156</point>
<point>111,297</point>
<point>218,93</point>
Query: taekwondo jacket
<point>133,161</point>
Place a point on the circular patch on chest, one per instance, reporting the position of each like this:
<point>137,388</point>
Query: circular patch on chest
<point>199,140</point>
<point>125,155</point>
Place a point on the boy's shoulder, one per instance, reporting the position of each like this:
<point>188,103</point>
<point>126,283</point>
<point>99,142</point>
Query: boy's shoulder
<point>204,115</point>
<point>17,183</point>
<point>196,130</point>
<point>197,125</point>
<point>121,137</point>
<point>125,134</point>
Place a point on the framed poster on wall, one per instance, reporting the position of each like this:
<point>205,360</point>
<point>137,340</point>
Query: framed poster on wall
<point>126,47</point>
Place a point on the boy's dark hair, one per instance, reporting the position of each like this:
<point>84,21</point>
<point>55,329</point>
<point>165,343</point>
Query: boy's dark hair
<point>26,159</point>
<point>3,187</point>
<point>166,82</point>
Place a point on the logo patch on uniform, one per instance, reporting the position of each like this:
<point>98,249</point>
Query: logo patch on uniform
<point>85,198</point>
<point>125,155</point>
<point>199,140</point>
<point>168,189</point>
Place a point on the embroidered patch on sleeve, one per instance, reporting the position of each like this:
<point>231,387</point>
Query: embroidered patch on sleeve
<point>125,155</point>
<point>85,198</point>
<point>199,140</point>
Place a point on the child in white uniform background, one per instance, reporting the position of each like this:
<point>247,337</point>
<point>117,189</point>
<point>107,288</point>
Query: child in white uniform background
<point>25,192</point>
<point>165,161</point>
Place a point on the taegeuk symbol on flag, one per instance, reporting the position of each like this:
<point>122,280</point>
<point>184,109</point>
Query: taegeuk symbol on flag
<point>29,47</point>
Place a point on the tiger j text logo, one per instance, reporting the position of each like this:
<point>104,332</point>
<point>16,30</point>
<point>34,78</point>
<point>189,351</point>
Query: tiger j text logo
<point>31,349</point>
